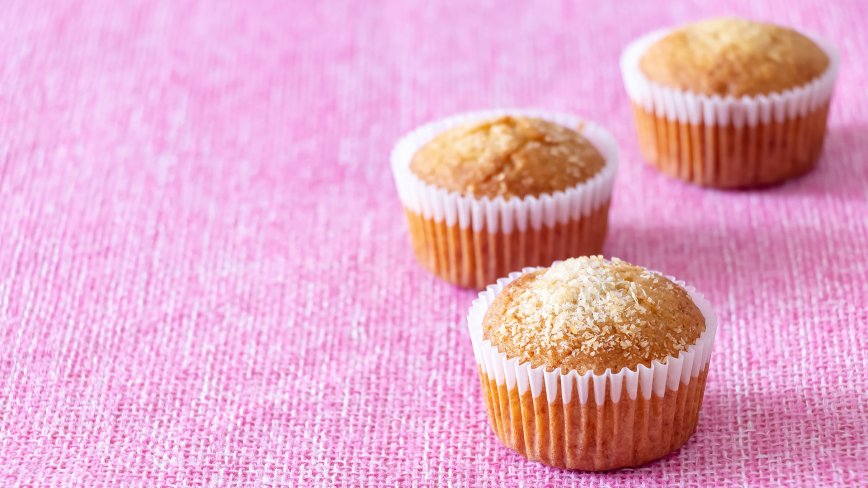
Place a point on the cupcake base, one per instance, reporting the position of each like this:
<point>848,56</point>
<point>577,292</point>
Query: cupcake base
<point>474,259</point>
<point>591,437</point>
<point>732,157</point>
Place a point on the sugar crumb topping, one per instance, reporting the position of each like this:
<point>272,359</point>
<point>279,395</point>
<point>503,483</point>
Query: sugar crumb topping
<point>507,156</point>
<point>592,313</point>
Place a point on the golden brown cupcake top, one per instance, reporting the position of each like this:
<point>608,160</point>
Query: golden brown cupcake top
<point>730,56</point>
<point>589,313</point>
<point>507,157</point>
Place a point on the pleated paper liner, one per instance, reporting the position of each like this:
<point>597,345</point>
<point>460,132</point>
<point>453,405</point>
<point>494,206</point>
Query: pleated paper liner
<point>592,422</point>
<point>729,142</point>
<point>472,241</point>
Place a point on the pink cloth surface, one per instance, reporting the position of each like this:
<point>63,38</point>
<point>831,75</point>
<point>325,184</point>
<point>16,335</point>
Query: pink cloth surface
<point>205,275</point>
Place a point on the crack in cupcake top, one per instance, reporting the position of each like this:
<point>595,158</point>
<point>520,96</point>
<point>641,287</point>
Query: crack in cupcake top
<point>589,313</point>
<point>509,156</point>
<point>731,56</point>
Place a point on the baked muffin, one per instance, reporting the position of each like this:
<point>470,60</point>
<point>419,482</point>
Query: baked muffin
<point>488,193</point>
<point>730,102</point>
<point>733,57</point>
<point>507,156</point>
<point>592,364</point>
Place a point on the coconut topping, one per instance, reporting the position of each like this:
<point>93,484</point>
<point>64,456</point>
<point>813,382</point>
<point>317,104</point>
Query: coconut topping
<point>591,313</point>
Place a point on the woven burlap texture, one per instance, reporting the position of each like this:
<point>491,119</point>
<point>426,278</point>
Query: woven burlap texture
<point>206,276</point>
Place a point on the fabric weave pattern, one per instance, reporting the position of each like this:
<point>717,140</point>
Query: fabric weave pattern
<point>206,278</point>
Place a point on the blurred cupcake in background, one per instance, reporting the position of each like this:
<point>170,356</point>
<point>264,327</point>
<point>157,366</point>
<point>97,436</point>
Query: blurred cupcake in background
<point>486,193</point>
<point>729,102</point>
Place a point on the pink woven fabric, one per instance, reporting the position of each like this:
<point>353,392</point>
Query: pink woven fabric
<point>205,277</point>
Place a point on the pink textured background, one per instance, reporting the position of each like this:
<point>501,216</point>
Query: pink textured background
<point>204,269</point>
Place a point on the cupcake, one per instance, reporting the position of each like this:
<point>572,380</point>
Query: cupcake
<point>592,364</point>
<point>730,103</point>
<point>488,193</point>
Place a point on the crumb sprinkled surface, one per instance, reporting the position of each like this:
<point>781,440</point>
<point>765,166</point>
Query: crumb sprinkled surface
<point>508,156</point>
<point>590,313</point>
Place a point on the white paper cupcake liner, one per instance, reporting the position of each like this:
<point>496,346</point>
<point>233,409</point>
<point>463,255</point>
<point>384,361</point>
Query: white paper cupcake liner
<point>499,214</point>
<point>692,108</point>
<point>669,373</point>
